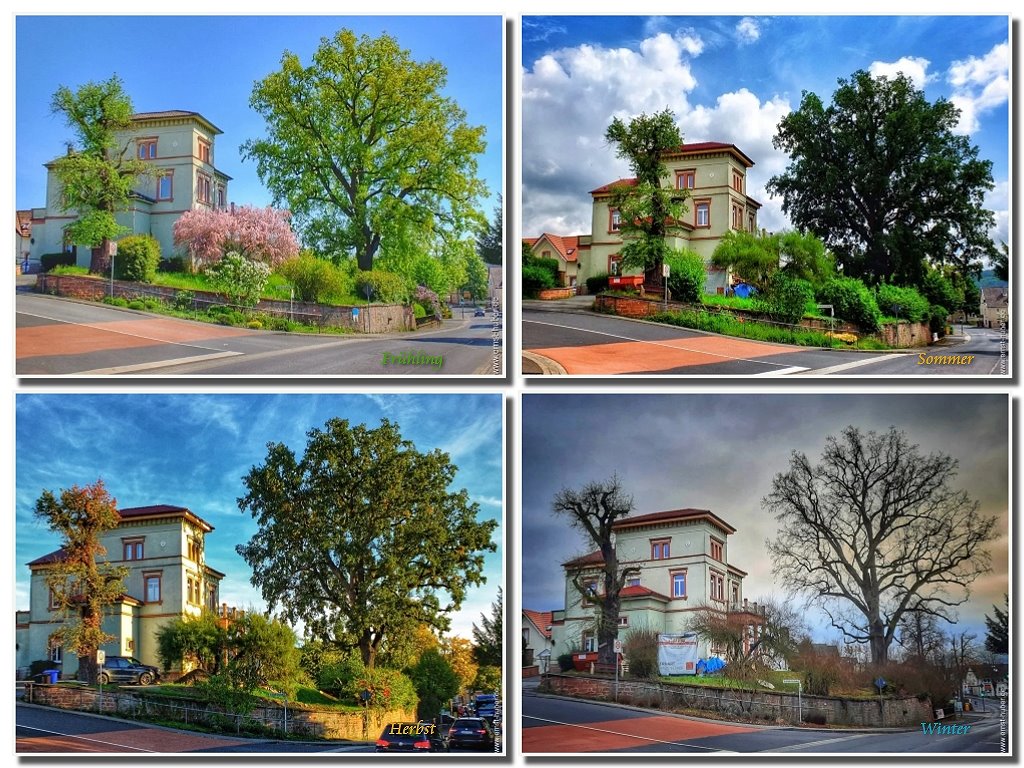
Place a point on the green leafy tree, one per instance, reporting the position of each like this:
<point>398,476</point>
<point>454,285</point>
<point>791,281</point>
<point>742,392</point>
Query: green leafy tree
<point>99,170</point>
<point>490,245</point>
<point>1001,263</point>
<point>435,682</point>
<point>997,629</point>
<point>944,287</point>
<point>361,144</point>
<point>883,178</point>
<point>313,278</point>
<point>648,212</point>
<point>193,640</point>
<point>686,274</point>
<point>361,538</point>
<point>751,257</point>
<point>488,679</point>
<point>81,583</point>
<point>803,255</point>
<point>263,652</point>
<point>487,643</point>
<point>460,655</point>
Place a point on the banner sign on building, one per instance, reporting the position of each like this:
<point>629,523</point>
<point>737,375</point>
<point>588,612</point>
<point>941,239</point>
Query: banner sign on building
<point>677,654</point>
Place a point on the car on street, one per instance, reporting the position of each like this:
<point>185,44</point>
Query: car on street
<point>479,313</point>
<point>127,669</point>
<point>410,737</point>
<point>484,703</point>
<point>471,733</point>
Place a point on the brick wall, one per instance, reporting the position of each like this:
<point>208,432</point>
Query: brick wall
<point>377,318</point>
<point>556,293</point>
<point>748,705</point>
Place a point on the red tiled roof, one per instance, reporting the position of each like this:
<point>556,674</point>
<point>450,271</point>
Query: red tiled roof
<point>541,620</point>
<point>684,150</point>
<point>638,591</point>
<point>566,245</point>
<point>594,558</point>
<point>53,557</point>
<point>671,515</point>
<point>530,240</point>
<point>611,185</point>
<point>162,509</point>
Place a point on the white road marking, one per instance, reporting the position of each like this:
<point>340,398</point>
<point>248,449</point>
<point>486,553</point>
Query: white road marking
<point>784,371</point>
<point>85,738</point>
<point>848,366</point>
<point>820,742</point>
<point>661,344</point>
<point>157,364</point>
<point>629,735</point>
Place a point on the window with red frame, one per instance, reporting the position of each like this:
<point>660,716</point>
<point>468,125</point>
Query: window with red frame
<point>716,550</point>
<point>702,214</point>
<point>686,179</point>
<point>204,151</point>
<point>146,148</point>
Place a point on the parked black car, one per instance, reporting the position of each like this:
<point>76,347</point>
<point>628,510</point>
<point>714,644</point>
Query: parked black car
<point>471,733</point>
<point>127,669</point>
<point>410,737</point>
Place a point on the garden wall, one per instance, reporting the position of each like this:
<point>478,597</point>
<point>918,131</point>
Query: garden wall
<point>322,722</point>
<point>376,318</point>
<point>556,293</point>
<point>748,705</point>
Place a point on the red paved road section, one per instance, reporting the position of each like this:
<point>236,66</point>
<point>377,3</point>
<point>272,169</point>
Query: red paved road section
<point>67,339</point>
<point>640,356</point>
<point>135,740</point>
<point>619,734</point>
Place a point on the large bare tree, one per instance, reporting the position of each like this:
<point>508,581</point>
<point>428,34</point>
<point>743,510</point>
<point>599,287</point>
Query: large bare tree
<point>594,509</point>
<point>875,529</point>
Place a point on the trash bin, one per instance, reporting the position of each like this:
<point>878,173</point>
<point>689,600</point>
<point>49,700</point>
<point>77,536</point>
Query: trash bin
<point>51,676</point>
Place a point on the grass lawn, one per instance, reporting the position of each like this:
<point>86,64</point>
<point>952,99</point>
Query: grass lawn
<point>717,681</point>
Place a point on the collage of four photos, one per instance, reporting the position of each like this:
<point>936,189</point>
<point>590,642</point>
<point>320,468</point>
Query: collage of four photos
<point>396,384</point>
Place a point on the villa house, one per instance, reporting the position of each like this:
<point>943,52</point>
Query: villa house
<point>537,641</point>
<point>163,548</point>
<point>994,307</point>
<point>715,177</point>
<point>180,148</point>
<point>680,560</point>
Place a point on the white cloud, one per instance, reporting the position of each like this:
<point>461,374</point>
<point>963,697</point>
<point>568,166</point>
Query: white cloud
<point>914,67</point>
<point>979,85</point>
<point>570,96</point>
<point>748,30</point>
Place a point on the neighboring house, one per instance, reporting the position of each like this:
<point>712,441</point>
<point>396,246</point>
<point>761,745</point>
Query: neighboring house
<point>163,548</point>
<point>22,237</point>
<point>986,680</point>
<point>995,307</point>
<point>567,250</point>
<point>682,562</point>
<point>180,148</point>
<point>715,177</point>
<point>537,637</point>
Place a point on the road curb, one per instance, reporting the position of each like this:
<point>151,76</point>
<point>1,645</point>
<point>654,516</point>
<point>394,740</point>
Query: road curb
<point>548,367</point>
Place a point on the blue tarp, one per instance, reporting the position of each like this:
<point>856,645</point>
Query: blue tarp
<point>744,290</point>
<point>710,666</point>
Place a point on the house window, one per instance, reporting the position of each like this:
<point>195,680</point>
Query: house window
<point>735,594</point>
<point>614,220</point>
<point>204,151</point>
<point>633,582</point>
<point>203,187</point>
<point>190,593</point>
<point>679,584</point>
<point>737,217</point>
<point>133,550</point>
<point>737,181</point>
<point>526,635</point>
<point>717,586</point>
<point>153,588</point>
<point>589,590</point>
<point>751,226</point>
<point>221,197</point>
<point>195,550</point>
<point>165,186</point>
<point>211,598</point>
<point>716,550</point>
<point>57,654</point>
<point>702,214</point>
<point>545,254</point>
<point>54,603</point>
<point>589,642</point>
<point>129,644</point>
<point>614,264</point>
<point>660,549</point>
<point>686,179</point>
<point>623,621</point>
<point>146,148</point>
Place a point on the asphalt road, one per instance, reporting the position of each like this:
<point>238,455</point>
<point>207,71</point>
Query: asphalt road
<point>591,344</point>
<point>44,730</point>
<point>559,725</point>
<point>60,337</point>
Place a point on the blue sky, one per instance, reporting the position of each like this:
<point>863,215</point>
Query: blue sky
<point>721,452</point>
<point>192,451</point>
<point>731,79</point>
<point>208,64</point>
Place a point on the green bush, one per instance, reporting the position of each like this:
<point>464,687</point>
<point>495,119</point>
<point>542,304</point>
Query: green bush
<point>641,651</point>
<point>536,279</point>
<point>418,311</point>
<point>937,318</point>
<point>939,289</point>
<point>551,265</point>
<point>597,283</point>
<point>565,662</point>
<point>137,258</point>
<point>385,287</point>
<point>50,260</point>
<point>64,269</point>
<point>902,303</point>
<point>175,264</point>
<point>116,301</point>
<point>314,279</point>
<point>183,300</point>
<point>852,301</point>
<point>238,279</point>
<point>137,304</point>
<point>784,298</point>
<point>686,275</point>
<point>347,678</point>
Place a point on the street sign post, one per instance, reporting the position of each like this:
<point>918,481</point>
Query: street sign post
<point>665,271</point>
<point>799,698</point>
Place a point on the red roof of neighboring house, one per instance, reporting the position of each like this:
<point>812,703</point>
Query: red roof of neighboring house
<point>541,620</point>
<point>567,246</point>
<point>638,591</point>
<point>530,240</point>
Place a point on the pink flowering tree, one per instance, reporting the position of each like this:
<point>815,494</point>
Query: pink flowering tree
<point>258,234</point>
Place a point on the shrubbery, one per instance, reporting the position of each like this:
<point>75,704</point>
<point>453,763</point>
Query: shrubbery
<point>937,318</point>
<point>597,283</point>
<point>137,258</point>
<point>852,301</point>
<point>385,287</point>
<point>641,651</point>
<point>313,278</point>
<point>686,275</point>
<point>238,279</point>
<point>536,279</point>
<point>347,678</point>
<point>902,303</point>
<point>50,260</point>
<point>565,662</point>
<point>784,298</point>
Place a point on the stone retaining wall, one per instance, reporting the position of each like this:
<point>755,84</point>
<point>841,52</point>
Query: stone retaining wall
<point>549,294</point>
<point>748,705</point>
<point>375,318</point>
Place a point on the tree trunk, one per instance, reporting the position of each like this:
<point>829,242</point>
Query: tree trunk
<point>879,647</point>
<point>99,263</point>
<point>608,630</point>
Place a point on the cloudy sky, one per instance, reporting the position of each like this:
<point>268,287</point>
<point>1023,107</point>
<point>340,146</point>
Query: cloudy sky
<point>208,64</point>
<point>731,79</point>
<point>721,452</point>
<point>193,450</point>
